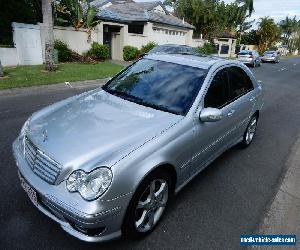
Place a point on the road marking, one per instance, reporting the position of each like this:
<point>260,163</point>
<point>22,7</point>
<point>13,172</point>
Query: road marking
<point>69,84</point>
<point>282,69</point>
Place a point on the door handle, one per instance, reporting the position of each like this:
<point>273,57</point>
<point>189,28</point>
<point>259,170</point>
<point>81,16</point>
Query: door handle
<point>231,112</point>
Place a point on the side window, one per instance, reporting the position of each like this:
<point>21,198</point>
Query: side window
<point>239,82</point>
<point>218,93</point>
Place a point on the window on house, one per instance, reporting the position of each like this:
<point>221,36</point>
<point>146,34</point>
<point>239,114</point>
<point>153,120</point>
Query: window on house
<point>136,29</point>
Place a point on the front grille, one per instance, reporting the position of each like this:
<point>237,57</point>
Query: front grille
<point>42,165</point>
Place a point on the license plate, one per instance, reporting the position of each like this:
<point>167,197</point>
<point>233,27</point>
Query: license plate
<point>29,190</point>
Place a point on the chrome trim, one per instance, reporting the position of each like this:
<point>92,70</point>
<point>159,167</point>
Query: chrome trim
<point>41,164</point>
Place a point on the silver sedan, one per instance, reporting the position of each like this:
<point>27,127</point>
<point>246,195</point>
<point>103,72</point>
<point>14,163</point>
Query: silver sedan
<point>107,162</point>
<point>271,56</point>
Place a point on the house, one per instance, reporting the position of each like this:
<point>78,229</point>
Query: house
<point>137,23</point>
<point>122,22</point>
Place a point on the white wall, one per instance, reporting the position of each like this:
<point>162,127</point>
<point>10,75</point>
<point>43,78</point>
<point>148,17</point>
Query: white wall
<point>8,56</point>
<point>198,42</point>
<point>168,35</point>
<point>76,39</point>
<point>137,40</point>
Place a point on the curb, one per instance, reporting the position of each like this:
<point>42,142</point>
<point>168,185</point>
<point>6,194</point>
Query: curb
<point>54,87</point>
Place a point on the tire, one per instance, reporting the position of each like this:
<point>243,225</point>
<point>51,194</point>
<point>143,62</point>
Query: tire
<point>250,132</point>
<point>139,222</point>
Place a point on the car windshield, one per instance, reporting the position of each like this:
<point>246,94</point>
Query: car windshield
<point>245,53</point>
<point>160,85</point>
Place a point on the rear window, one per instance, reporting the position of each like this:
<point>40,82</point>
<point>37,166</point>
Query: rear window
<point>269,52</point>
<point>245,53</point>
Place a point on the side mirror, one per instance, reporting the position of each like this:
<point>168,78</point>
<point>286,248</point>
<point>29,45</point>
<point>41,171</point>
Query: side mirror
<point>211,115</point>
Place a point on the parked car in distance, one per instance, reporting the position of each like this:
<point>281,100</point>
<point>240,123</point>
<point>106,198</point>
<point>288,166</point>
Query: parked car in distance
<point>271,56</point>
<point>106,162</point>
<point>249,57</point>
<point>173,49</point>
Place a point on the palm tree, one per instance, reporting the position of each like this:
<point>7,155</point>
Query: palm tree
<point>78,13</point>
<point>289,26</point>
<point>247,5</point>
<point>268,33</point>
<point>49,37</point>
<point>246,10</point>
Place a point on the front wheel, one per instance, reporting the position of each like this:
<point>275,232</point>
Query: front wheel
<point>250,132</point>
<point>147,205</point>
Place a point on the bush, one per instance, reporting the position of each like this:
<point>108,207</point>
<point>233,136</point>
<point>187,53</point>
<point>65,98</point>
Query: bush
<point>206,49</point>
<point>98,51</point>
<point>64,53</point>
<point>146,48</point>
<point>130,53</point>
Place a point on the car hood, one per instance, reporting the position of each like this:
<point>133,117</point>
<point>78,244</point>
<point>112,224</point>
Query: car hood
<point>95,128</point>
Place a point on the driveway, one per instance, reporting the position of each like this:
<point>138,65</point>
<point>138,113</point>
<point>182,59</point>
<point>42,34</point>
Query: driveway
<point>227,199</point>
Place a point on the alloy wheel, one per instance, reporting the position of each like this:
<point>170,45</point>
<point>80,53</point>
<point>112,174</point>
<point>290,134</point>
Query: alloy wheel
<point>151,205</point>
<point>251,130</point>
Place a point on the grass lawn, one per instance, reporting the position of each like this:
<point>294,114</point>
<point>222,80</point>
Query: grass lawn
<point>24,76</point>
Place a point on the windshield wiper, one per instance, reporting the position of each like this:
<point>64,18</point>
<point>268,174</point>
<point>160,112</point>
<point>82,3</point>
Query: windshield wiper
<point>124,95</point>
<point>139,100</point>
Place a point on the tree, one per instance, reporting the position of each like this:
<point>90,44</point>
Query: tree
<point>211,17</point>
<point>1,70</point>
<point>290,32</point>
<point>268,33</point>
<point>250,37</point>
<point>49,36</point>
<point>245,11</point>
<point>78,13</point>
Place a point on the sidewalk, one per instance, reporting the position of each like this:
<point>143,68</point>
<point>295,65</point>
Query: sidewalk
<point>76,85</point>
<point>283,216</point>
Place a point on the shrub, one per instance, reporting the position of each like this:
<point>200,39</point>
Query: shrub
<point>64,53</point>
<point>98,51</point>
<point>146,48</point>
<point>130,53</point>
<point>206,49</point>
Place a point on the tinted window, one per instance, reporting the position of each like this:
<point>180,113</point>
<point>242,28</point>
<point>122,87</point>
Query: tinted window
<point>161,85</point>
<point>239,82</point>
<point>245,52</point>
<point>217,95</point>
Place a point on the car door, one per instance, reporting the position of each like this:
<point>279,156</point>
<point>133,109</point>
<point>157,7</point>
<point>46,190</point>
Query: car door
<point>210,138</point>
<point>242,100</point>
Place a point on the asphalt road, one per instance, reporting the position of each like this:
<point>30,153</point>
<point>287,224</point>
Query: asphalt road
<point>227,199</point>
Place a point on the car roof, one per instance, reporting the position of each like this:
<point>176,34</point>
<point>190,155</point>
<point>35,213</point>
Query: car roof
<point>197,61</point>
<point>173,45</point>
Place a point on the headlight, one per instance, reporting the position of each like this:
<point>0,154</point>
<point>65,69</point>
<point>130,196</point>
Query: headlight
<point>90,185</point>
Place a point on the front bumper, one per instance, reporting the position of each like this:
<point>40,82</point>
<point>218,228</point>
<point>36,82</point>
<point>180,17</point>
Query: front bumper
<point>94,221</point>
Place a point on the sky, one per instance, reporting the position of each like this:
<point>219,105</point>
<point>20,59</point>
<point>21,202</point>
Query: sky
<point>276,9</point>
